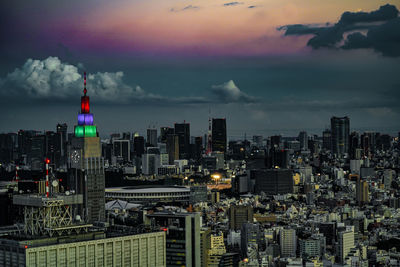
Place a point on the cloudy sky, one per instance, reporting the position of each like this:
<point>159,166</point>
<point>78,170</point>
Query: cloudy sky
<point>267,66</point>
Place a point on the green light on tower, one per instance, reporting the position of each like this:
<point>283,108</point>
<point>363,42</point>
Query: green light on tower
<point>79,131</point>
<point>90,131</point>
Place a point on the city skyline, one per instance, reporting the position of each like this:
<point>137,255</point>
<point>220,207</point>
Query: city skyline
<point>268,68</point>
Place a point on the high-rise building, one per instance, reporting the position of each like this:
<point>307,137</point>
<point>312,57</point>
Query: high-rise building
<point>362,191</point>
<point>173,148</point>
<point>353,144</point>
<point>217,250</point>
<point>311,247</point>
<point>303,139</point>
<point>219,139</point>
<point>238,215</point>
<point>62,142</point>
<point>273,181</point>
<point>138,145</point>
<point>327,139</point>
<point>183,237</point>
<point>122,149</point>
<point>151,161</point>
<point>182,130</point>
<point>275,141</point>
<point>37,151</point>
<point>151,137</point>
<point>86,164</point>
<point>51,147</point>
<point>164,132</point>
<point>340,130</point>
<point>250,235</point>
<point>277,158</point>
<point>288,242</point>
<point>345,243</point>
<point>205,245</point>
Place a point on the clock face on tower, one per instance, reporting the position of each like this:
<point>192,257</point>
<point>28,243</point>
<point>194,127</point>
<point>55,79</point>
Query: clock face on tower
<point>75,157</point>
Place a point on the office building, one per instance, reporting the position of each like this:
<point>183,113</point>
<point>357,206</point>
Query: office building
<point>172,148</point>
<point>138,146</point>
<point>250,236</point>
<point>273,181</point>
<point>151,138</point>
<point>122,149</point>
<point>164,132</point>
<point>275,141</point>
<point>238,215</point>
<point>217,249</point>
<point>340,131</point>
<point>182,239</point>
<point>151,161</point>
<point>327,139</point>
<point>278,158</point>
<point>310,247</point>
<point>362,191</point>
<point>345,243</point>
<point>218,136</point>
<point>182,130</point>
<point>288,242</point>
<point>37,152</point>
<point>62,143</point>
<point>205,245</point>
<point>303,139</point>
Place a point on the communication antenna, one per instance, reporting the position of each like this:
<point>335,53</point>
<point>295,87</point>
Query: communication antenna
<point>209,139</point>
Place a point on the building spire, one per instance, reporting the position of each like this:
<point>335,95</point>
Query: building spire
<point>84,84</point>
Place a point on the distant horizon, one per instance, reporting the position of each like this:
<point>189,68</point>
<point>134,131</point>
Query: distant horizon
<point>285,133</point>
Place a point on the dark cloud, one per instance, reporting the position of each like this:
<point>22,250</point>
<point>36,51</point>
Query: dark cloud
<point>233,3</point>
<point>382,26</point>
<point>189,7</point>
<point>251,6</point>
<point>384,13</point>
<point>384,38</point>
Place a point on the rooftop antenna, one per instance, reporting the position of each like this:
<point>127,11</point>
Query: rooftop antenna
<point>209,139</point>
<point>84,84</point>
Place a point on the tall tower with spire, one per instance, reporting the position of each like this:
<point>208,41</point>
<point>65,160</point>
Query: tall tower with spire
<point>86,164</point>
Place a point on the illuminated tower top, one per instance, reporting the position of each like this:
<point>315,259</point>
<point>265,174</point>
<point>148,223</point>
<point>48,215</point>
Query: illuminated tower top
<point>85,127</point>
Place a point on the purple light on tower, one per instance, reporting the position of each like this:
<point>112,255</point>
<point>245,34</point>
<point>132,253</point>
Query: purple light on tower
<point>85,119</point>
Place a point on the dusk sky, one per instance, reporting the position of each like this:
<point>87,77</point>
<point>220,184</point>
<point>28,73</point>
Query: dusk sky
<point>267,66</point>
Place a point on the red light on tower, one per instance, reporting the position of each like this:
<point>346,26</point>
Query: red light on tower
<point>47,161</point>
<point>85,108</point>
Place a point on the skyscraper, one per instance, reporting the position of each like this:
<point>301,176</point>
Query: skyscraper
<point>327,139</point>
<point>164,132</point>
<point>340,130</point>
<point>273,181</point>
<point>172,148</point>
<point>182,239</point>
<point>62,142</point>
<point>303,139</point>
<point>238,215</point>
<point>288,242</point>
<point>345,243</point>
<point>152,137</point>
<point>86,165</point>
<point>219,135</point>
<point>138,145</point>
<point>182,130</point>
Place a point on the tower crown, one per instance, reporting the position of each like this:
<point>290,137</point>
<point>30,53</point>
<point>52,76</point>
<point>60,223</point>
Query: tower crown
<point>85,127</point>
